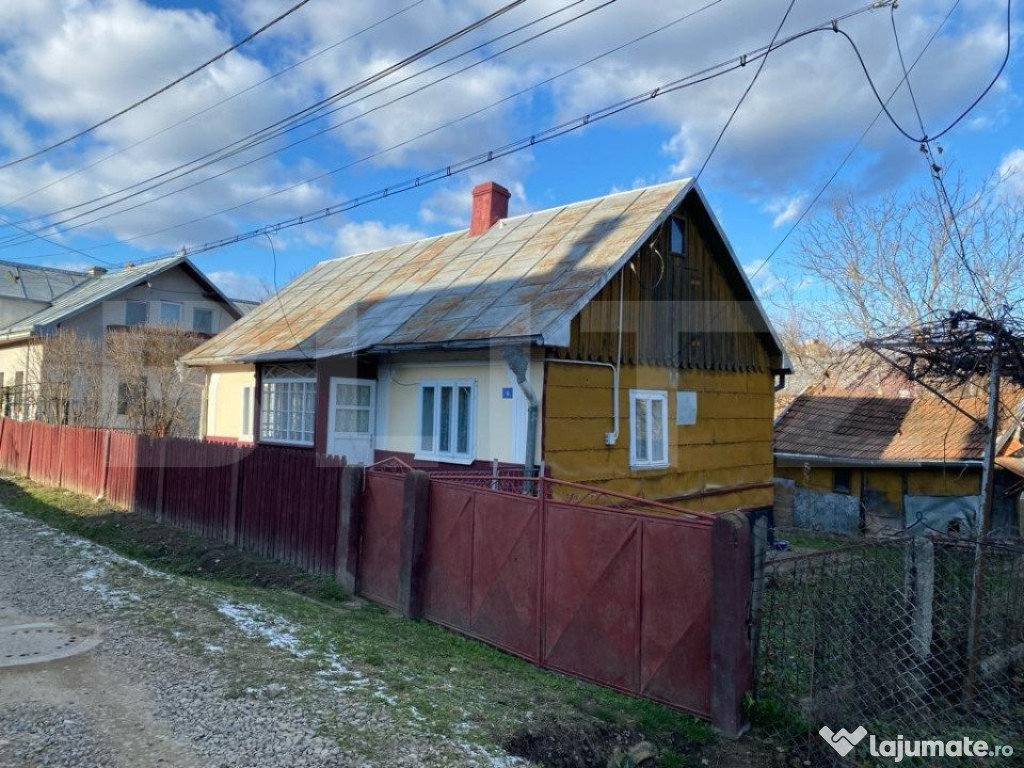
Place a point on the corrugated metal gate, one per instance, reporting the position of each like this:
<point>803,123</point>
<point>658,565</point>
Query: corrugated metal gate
<point>618,597</point>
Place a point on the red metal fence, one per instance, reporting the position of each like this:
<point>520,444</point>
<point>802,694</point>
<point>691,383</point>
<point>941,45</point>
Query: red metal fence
<point>618,597</point>
<point>602,586</point>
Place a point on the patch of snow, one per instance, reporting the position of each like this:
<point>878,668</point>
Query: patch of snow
<point>258,623</point>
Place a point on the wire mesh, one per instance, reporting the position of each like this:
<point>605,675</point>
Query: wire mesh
<point>879,635</point>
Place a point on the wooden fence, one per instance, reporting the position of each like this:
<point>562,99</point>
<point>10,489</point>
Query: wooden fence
<point>278,502</point>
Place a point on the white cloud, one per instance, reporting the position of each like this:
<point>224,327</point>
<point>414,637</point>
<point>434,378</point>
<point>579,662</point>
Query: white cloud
<point>1011,167</point>
<point>239,285</point>
<point>360,237</point>
<point>786,210</point>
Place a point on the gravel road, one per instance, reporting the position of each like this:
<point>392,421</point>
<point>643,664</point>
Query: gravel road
<point>183,677</point>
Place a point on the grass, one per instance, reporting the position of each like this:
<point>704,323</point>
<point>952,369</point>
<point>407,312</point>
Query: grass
<point>444,683</point>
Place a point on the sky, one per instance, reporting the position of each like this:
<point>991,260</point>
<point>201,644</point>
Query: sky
<point>198,163</point>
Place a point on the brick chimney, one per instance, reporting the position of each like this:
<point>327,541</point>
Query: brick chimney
<point>490,204</point>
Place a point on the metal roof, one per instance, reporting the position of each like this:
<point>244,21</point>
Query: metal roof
<point>522,280</point>
<point>35,283</point>
<point>96,289</point>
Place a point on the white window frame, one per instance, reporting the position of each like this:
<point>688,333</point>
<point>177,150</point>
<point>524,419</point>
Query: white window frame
<point>181,313</point>
<point>248,412</point>
<point>195,311</point>
<point>266,396</point>
<point>651,397</point>
<point>435,454</point>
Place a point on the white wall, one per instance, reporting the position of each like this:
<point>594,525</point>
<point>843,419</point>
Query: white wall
<point>500,422</point>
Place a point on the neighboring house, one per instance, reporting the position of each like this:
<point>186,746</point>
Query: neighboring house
<point>887,458</point>
<point>616,340</point>
<point>245,306</point>
<point>57,326</point>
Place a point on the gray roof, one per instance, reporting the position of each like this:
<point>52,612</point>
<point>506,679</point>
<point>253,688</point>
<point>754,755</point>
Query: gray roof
<point>523,279</point>
<point>96,289</point>
<point>245,306</point>
<point>36,283</point>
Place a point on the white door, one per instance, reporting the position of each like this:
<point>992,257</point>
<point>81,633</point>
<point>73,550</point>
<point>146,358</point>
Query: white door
<point>350,427</point>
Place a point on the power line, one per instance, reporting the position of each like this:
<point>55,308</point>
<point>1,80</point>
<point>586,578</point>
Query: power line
<point>703,75</point>
<point>856,145</point>
<point>158,92</point>
<point>403,143</point>
<point>239,150</point>
<point>521,144</point>
<point>746,92</point>
<point>213,106</point>
<point>935,171</point>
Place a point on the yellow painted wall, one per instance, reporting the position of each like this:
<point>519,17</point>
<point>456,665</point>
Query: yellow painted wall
<point>224,407</point>
<point>730,445</point>
<point>500,423</point>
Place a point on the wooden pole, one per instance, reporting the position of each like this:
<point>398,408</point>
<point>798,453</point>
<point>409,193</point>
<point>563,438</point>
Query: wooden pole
<point>984,524</point>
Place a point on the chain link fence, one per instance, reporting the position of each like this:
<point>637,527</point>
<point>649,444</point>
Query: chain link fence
<point>897,637</point>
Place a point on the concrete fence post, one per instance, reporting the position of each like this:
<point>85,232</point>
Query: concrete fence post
<point>411,564</point>
<point>731,659</point>
<point>350,528</point>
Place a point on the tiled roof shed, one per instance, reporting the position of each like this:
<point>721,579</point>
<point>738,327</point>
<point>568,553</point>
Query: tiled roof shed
<point>861,426</point>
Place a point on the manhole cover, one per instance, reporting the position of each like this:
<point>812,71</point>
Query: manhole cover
<point>39,643</point>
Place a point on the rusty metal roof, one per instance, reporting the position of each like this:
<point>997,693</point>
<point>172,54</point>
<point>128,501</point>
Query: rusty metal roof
<point>523,279</point>
<point>825,423</point>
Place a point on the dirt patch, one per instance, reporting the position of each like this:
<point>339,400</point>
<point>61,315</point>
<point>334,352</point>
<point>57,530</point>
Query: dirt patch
<point>589,745</point>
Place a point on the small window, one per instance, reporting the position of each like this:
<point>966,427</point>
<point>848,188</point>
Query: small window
<point>288,406</point>
<point>247,412</point>
<point>170,313</point>
<point>136,313</point>
<point>677,237</point>
<point>447,421</point>
<point>842,480</point>
<point>202,320</point>
<point>648,418</point>
<point>130,396</point>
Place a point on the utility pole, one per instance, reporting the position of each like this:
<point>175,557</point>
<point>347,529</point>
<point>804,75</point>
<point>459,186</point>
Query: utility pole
<point>984,523</point>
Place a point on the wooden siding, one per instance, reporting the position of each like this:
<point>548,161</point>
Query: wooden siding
<point>689,312</point>
<point>729,446</point>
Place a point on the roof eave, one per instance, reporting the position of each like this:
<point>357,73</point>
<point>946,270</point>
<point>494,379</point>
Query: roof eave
<point>783,458</point>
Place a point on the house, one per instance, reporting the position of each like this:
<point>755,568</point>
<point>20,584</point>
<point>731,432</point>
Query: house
<point>615,340</point>
<point>59,329</point>
<point>893,456</point>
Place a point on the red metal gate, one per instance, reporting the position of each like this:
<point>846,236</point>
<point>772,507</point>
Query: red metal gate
<point>381,540</point>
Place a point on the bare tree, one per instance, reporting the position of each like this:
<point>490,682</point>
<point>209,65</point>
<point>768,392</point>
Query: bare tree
<point>68,374</point>
<point>154,395</point>
<point>883,265</point>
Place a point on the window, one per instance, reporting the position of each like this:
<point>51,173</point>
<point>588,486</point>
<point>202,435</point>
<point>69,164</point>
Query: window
<point>352,407</point>
<point>247,412</point>
<point>842,480</point>
<point>130,396</point>
<point>170,313</point>
<point>446,421</point>
<point>202,320</point>
<point>677,237</point>
<point>136,313</point>
<point>288,409</point>
<point>648,419</point>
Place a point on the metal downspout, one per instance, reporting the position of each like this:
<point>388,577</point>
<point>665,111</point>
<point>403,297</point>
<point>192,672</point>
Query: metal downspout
<point>517,363</point>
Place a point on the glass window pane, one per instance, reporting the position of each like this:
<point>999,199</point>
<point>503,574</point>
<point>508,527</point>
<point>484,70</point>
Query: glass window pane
<point>202,320</point>
<point>462,424</point>
<point>136,313</point>
<point>445,442</point>
<point>362,421</point>
<point>640,430</point>
<point>363,391</point>
<point>657,430</point>
<point>427,419</point>
<point>170,313</point>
